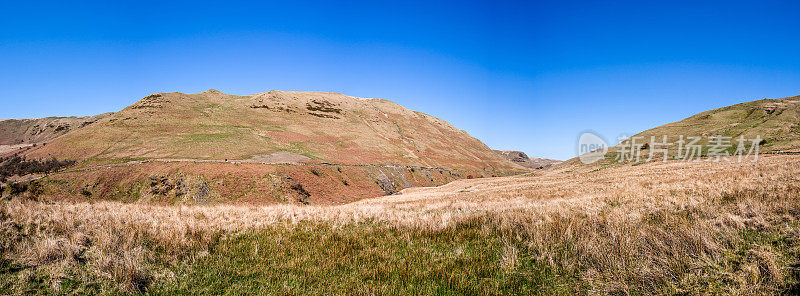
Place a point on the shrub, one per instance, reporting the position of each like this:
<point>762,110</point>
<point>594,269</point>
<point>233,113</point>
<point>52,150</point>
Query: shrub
<point>16,165</point>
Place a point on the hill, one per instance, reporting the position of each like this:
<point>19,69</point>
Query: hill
<point>273,147</point>
<point>773,124</point>
<point>276,126</point>
<point>522,159</point>
<point>776,121</point>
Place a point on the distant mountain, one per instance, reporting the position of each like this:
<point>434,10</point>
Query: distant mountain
<point>41,130</point>
<point>522,159</point>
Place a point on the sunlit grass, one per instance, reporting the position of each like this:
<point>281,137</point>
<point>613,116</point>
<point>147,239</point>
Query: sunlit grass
<point>656,228</point>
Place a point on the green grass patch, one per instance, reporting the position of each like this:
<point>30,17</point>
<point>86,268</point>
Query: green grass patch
<point>363,259</point>
<point>207,137</point>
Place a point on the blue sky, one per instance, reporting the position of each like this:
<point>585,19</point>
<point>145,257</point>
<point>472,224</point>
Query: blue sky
<point>527,76</point>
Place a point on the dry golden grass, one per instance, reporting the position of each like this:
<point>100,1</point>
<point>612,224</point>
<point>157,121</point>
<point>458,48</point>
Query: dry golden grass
<point>657,228</point>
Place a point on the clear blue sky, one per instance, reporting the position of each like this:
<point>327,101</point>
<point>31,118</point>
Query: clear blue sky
<point>525,76</point>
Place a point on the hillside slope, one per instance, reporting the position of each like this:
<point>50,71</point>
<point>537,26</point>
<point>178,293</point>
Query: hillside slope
<point>41,130</point>
<point>777,121</point>
<point>301,126</point>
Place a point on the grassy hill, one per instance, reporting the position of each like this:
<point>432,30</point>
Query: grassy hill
<point>274,147</point>
<point>776,121</point>
<point>301,126</point>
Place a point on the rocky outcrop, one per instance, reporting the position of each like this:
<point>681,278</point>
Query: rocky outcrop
<point>522,159</point>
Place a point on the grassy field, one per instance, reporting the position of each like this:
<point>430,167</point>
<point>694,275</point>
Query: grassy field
<point>656,228</point>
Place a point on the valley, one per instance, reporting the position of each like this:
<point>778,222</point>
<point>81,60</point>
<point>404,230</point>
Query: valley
<point>171,219</point>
